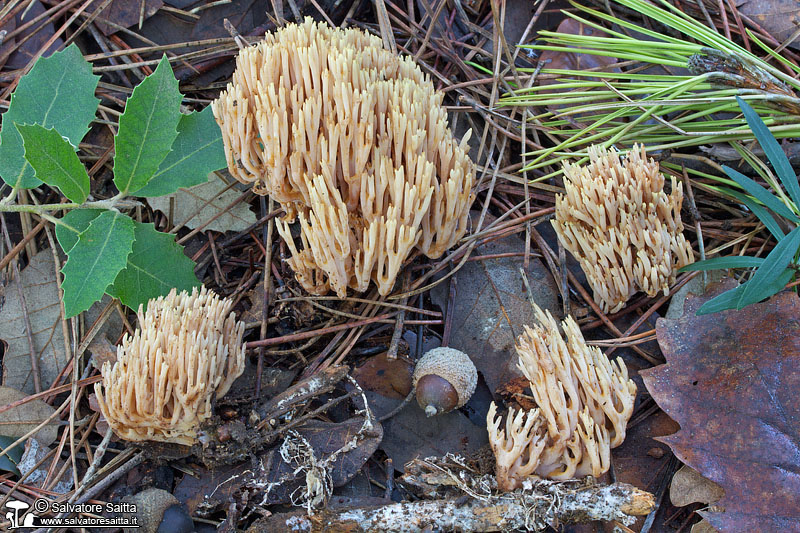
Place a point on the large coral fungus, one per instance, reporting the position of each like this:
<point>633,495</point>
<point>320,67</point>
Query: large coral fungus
<point>625,231</point>
<point>583,403</point>
<point>188,348</point>
<point>353,141</point>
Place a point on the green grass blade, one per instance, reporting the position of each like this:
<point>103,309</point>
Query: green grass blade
<point>760,193</point>
<point>718,263</point>
<point>773,151</point>
<point>762,284</point>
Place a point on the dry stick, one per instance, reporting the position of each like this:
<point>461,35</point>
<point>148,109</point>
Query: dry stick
<point>726,29</point>
<point>200,228</point>
<point>429,32</point>
<point>98,457</point>
<point>697,218</point>
<point>102,485</point>
<point>33,431</point>
<point>394,344</point>
<point>20,482</point>
<point>87,22</point>
<point>448,317</point>
<point>602,316</point>
<point>683,281</point>
<point>742,33</point>
<point>314,333</point>
<point>355,334</point>
<point>56,35</point>
<point>27,31</point>
<point>37,384</point>
<point>514,511</point>
<point>73,404</point>
<point>25,222</point>
<point>10,9</point>
<point>386,26</point>
<point>267,289</point>
<point>549,256</point>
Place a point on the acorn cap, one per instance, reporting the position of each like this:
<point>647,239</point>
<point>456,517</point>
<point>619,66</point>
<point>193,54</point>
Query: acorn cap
<point>455,367</point>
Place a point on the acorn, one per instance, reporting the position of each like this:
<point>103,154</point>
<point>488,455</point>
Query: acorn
<point>444,380</point>
<point>158,511</point>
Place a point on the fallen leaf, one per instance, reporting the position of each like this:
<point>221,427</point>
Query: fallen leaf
<point>411,435</point>
<point>208,490</point>
<point>491,306</point>
<point>274,481</point>
<point>688,486</point>
<point>731,382</point>
<point>703,527</point>
<point>38,284</point>
<point>197,205</point>
<point>779,18</point>
<point>19,420</point>
<point>37,471</point>
<point>35,37</point>
<point>390,378</point>
<point>325,438</point>
<point>123,13</point>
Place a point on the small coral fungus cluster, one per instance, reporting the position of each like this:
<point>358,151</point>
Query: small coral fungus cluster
<point>625,231</point>
<point>353,141</point>
<point>584,402</point>
<point>187,349</point>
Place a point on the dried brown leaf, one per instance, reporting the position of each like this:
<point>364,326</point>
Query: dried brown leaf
<point>731,382</point>
<point>688,486</point>
<point>197,205</point>
<point>38,283</point>
<point>491,306</point>
<point>20,420</point>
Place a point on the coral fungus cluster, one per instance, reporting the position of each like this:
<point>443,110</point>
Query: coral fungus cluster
<point>187,349</point>
<point>625,231</point>
<point>353,141</point>
<point>584,402</point>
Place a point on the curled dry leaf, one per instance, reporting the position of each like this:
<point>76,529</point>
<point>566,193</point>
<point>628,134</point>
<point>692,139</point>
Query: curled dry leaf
<point>731,382</point>
<point>688,487</point>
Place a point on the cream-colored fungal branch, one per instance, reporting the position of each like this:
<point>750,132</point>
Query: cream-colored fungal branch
<point>625,231</point>
<point>352,141</point>
<point>516,448</point>
<point>584,402</point>
<point>188,348</point>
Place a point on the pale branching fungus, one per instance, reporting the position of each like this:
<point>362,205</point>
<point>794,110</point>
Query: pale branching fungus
<point>625,231</point>
<point>584,403</point>
<point>188,349</point>
<point>353,141</point>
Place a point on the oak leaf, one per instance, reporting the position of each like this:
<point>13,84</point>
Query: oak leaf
<point>732,381</point>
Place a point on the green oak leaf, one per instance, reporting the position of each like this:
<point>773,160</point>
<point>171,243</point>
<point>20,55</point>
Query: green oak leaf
<point>57,93</point>
<point>147,129</point>
<point>73,224</point>
<point>196,151</point>
<point>55,162</point>
<point>95,260</point>
<point>156,266</point>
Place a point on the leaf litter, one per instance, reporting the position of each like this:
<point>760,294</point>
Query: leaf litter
<point>488,290</point>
